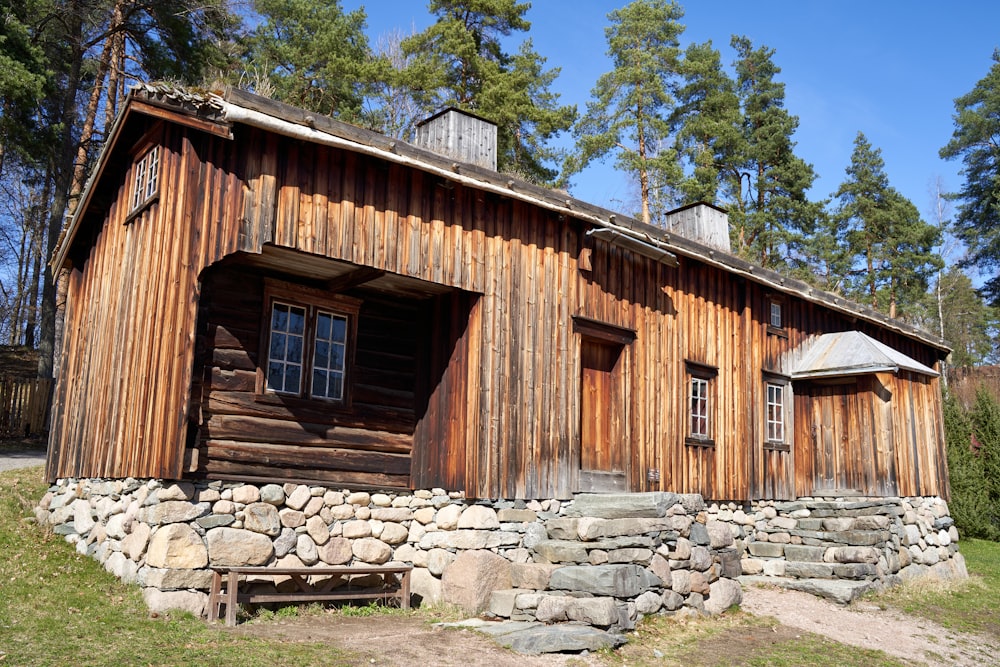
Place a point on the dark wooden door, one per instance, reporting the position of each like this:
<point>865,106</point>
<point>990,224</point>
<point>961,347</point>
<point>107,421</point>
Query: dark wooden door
<point>602,450</point>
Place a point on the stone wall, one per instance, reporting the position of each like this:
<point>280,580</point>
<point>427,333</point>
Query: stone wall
<point>603,560</point>
<point>841,548</point>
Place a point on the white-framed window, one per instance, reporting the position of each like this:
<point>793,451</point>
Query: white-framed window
<point>775,320</point>
<point>700,403</point>
<point>145,181</point>
<point>775,412</point>
<point>308,338</point>
<point>698,408</point>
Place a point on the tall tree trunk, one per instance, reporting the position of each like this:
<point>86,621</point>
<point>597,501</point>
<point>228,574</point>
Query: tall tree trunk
<point>38,235</point>
<point>62,175</point>
<point>90,116</point>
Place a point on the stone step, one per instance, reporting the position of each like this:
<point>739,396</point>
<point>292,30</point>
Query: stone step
<point>838,590</point>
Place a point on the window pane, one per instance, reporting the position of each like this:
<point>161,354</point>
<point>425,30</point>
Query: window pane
<point>275,377</point>
<point>336,386</point>
<point>292,377</point>
<point>339,329</point>
<point>279,318</point>
<point>319,383</point>
<point>294,352</point>
<point>323,326</point>
<point>277,348</point>
<point>296,320</point>
<point>337,357</point>
<point>322,357</point>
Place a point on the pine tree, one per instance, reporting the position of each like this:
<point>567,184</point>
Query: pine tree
<point>967,322</point>
<point>889,248</point>
<point>631,106</point>
<point>772,214</point>
<point>708,127</point>
<point>976,141</point>
<point>313,55</point>
<point>971,505</point>
<point>459,61</point>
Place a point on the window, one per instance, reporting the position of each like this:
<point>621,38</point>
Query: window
<point>146,173</point>
<point>700,403</point>
<point>309,342</point>
<point>775,413</point>
<point>776,315</point>
<point>699,408</point>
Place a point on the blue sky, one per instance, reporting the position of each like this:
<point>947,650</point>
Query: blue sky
<point>890,69</point>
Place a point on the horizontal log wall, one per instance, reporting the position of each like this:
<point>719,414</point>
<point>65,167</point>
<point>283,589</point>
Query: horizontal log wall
<point>270,437</point>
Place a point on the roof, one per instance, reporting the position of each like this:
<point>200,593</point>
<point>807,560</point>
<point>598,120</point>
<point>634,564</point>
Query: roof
<point>853,353</point>
<point>222,109</point>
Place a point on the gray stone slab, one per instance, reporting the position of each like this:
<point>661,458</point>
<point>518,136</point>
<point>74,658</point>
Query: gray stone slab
<point>620,581</point>
<point>622,505</point>
<point>799,552</point>
<point>560,638</point>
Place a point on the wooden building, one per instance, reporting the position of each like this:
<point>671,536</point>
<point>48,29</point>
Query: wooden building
<point>260,293</point>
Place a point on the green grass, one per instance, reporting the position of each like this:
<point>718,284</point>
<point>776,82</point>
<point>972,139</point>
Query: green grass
<point>966,606</point>
<point>60,608</point>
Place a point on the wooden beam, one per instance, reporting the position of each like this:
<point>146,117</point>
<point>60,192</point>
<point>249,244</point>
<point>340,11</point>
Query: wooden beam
<point>359,276</point>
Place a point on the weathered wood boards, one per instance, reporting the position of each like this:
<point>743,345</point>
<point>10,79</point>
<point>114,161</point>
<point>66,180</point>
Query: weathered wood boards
<point>472,373</point>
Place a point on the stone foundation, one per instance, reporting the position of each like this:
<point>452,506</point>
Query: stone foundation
<point>841,548</point>
<point>601,560</point>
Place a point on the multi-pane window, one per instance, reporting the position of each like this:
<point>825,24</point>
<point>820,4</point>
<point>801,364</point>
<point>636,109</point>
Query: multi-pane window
<point>287,341</point>
<point>775,412</point>
<point>147,171</point>
<point>698,408</point>
<point>329,356</point>
<point>309,343</point>
<point>776,315</point>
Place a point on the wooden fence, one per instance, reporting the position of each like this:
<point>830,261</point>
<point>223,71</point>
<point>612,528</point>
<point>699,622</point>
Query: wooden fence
<point>24,406</point>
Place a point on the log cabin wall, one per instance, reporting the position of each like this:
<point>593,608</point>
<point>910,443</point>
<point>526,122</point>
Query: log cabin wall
<point>497,382</point>
<point>243,434</point>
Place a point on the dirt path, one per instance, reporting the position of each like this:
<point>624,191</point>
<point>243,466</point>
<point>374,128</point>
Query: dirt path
<point>868,626</point>
<point>392,641</point>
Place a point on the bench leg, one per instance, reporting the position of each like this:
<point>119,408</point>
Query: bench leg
<point>215,597</point>
<point>232,586</point>
<point>404,591</point>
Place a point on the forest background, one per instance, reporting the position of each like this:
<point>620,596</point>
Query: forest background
<point>677,115</point>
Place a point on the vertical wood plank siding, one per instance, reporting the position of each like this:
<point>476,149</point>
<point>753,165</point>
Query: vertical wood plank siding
<point>121,400</point>
<point>501,415</point>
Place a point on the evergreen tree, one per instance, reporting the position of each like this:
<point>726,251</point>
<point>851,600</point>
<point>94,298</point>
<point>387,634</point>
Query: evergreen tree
<point>708,127</point>
<point>976,512</point>
<point>631,106</point>
<point>976,141</point>
<point>459,61</point>
<point>772,215</point>
<point>967,322</point>
<point>885,246</point>
<point>313,55</point>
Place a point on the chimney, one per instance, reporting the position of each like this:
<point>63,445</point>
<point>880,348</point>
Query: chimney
<point>460,136</point>
<point>703,223</point>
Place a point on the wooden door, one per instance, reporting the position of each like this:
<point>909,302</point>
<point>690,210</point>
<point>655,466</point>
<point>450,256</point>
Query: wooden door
<point>830,436</point>
<point>602,448</point>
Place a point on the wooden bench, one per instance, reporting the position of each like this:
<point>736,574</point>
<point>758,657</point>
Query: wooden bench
<point>226,584</point>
